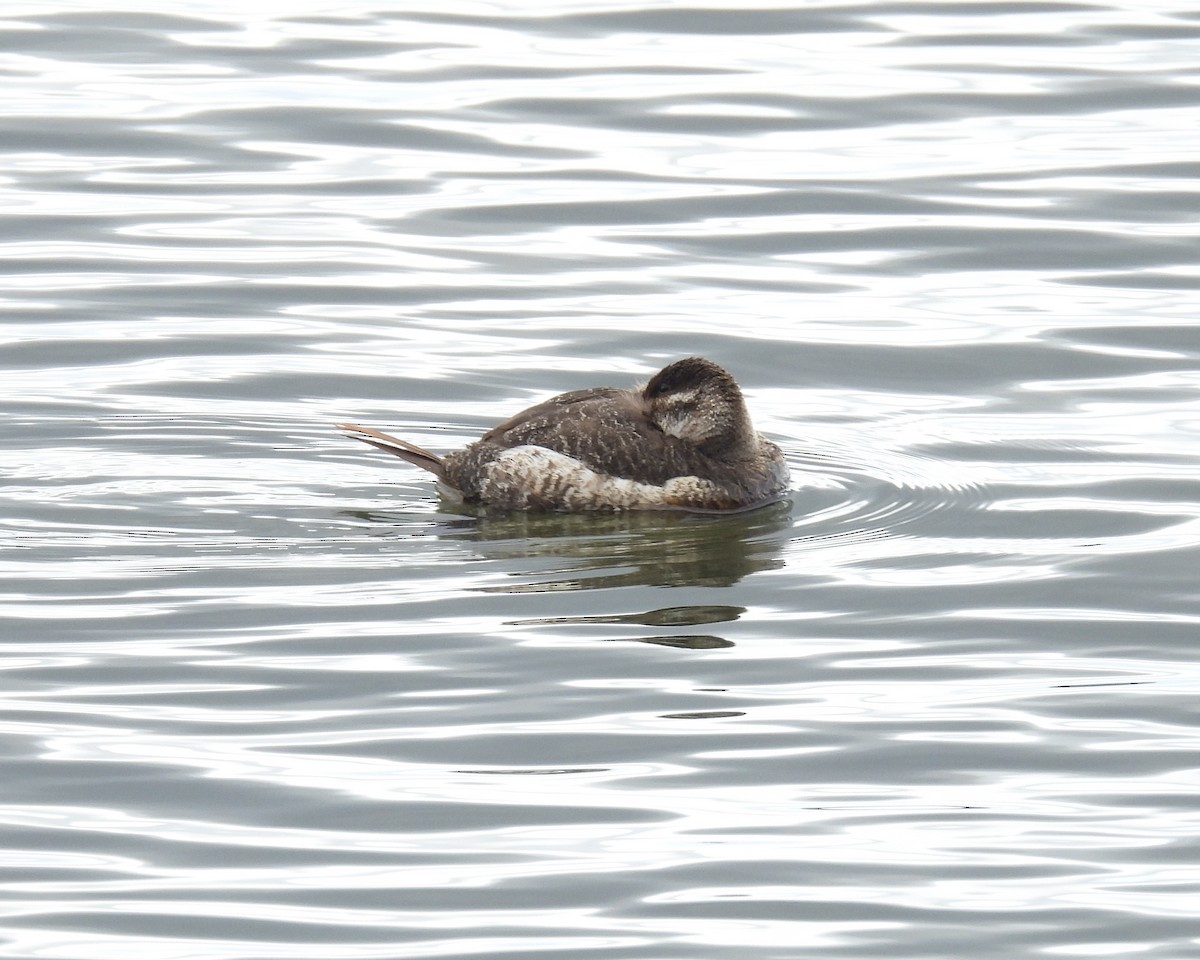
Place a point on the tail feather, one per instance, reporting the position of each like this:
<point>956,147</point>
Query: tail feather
<point>401,448</point>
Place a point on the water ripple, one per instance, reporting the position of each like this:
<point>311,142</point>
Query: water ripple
<point>266,695</point>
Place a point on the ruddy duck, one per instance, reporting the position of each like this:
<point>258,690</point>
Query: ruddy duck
<point>684,441</point>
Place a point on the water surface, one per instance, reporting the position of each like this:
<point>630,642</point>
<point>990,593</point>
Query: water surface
<point>266,696</point>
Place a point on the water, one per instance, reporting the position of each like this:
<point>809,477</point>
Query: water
<point>265,697</point>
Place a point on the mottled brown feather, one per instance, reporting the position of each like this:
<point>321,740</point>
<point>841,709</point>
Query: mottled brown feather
<point>688,421</point>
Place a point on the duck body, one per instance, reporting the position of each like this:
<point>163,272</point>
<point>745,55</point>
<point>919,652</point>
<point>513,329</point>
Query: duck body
<point>684,441</point>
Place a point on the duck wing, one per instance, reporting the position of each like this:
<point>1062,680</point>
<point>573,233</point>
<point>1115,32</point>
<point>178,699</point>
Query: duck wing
<point>605,428</point>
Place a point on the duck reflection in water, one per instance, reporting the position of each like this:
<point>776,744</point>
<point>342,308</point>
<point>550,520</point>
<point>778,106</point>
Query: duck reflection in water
<point>591,552</point>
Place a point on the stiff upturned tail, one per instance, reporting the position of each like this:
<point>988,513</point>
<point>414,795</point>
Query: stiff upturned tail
<point>401,448</point>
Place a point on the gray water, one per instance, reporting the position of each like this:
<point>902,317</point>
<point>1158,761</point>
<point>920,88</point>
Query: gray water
<point>264,696</point>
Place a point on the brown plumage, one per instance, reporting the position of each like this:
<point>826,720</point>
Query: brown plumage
<point>683,441</point>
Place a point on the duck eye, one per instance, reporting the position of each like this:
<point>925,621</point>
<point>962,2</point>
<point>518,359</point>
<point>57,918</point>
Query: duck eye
<point>658,387</point>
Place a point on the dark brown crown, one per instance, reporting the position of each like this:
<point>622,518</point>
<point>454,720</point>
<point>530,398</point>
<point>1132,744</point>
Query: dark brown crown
<point>689,374</point>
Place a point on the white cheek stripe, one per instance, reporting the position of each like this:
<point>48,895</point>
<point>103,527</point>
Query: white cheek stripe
<point>683,426</point>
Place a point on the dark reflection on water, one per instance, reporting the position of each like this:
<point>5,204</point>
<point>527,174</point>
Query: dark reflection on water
<point>684,641</point>
<point>592,552</point>
<point>664,617</point>
<point>668,550</point>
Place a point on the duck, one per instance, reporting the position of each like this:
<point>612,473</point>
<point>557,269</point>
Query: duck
<point>682,441</point>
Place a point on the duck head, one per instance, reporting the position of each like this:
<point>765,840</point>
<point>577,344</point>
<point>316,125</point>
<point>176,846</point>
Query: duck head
<point>699,402</point>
